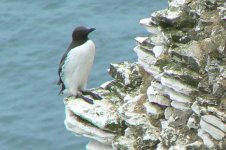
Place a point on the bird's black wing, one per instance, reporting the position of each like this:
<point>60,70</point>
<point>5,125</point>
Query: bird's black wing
<point>60,67</point>
<point>62,61</point>
<point>60,82</point>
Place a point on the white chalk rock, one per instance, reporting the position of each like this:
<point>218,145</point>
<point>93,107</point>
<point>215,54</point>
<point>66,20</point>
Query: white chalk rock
<point>144,56</point>
<point>151,69</point>
<point>81,128</point>
<point>155,95</point>
<point>135,117</point>
<point>161,146</point>
<point>177,85</point>
<point>168,112</point>
<point>177,3</point>
<point>177,70</point>
<point>153,110</point>
<point>195,108</point>
<point>158,50</point>
<point>195,51</point>
<point>176,96</point>
<point>140,40</point>
<point>180,106</point>
<point>126,73</point>
<point>215,122</point>
<point>153,46</point>
<point>157,40</point>
<point>193,122</point>
<point>213,131</point>
<point>194,145</point>
<point>159,99</point>
<point>106,84</point>
<point>206,138</point>
<point>102,114</point>
<point>146,22</point>
<point>157,88</point>
<point>124,142</point>
<point>178,147</point>
<point>95,145</point>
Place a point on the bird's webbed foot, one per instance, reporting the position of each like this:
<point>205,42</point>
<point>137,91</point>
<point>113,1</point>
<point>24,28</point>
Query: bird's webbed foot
<point>88,100</point>
<point>93,95</point>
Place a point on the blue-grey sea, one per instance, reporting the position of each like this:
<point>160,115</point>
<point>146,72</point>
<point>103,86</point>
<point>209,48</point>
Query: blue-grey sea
<point>33,36</point>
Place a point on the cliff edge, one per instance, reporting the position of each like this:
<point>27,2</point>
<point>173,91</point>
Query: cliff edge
<point>174,96</point>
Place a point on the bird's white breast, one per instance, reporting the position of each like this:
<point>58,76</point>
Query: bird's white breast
<point>77,67</point>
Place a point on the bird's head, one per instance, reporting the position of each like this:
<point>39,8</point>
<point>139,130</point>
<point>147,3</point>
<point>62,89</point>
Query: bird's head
<point>81,33</point>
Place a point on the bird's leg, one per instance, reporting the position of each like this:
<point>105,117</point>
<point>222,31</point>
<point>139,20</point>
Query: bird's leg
<point>88,100</point>
<point>93,95</point>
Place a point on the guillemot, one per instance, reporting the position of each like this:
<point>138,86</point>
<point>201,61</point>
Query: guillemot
<point>75,65</point>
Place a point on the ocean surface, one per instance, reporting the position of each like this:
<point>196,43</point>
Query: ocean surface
<point>33,37</point>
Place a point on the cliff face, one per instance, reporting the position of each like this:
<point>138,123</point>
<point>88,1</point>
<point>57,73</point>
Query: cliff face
<point>174,97</point>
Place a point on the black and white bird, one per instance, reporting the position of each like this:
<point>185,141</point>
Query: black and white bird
<point>76,64</point>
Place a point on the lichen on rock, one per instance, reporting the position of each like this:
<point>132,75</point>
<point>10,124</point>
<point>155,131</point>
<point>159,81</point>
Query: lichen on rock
<point>174,96</point>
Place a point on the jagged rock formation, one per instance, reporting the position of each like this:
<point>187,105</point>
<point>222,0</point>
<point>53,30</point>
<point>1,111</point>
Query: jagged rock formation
<point>174,97</point>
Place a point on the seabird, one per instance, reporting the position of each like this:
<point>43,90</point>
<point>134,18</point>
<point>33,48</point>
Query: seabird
<point>75,65</point>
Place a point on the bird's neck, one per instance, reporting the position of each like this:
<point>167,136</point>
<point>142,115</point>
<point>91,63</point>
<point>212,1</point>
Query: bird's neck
<point>77,43</point>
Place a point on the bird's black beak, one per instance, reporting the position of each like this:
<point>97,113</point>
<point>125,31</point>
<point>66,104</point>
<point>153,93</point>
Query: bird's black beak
<point>91,29</point>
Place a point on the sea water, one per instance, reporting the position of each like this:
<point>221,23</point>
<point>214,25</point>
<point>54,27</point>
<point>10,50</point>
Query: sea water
<point>33,37</point>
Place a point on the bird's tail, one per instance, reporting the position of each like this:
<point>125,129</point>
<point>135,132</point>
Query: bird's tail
<point>59,82</point>
<point>61,92</point>
<point>62,89</point>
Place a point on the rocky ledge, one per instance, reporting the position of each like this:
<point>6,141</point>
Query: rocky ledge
<point>174,97</point>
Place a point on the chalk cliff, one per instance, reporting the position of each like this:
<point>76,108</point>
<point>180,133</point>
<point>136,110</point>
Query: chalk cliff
<point>174,96</point>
